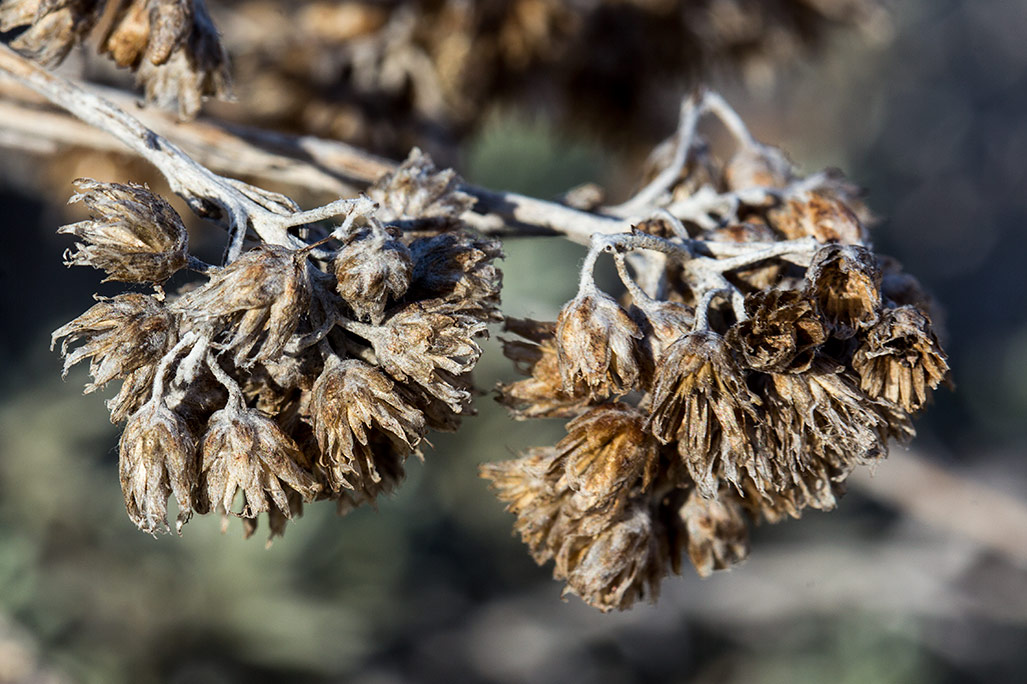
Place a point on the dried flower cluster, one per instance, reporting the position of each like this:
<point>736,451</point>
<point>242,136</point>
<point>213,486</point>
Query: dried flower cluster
<point>171,45</point>
<point>284,377</point>
<point>758,357</point>
<point>388,75</point>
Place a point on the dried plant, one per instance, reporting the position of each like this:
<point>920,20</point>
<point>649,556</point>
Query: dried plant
<point>760,351</point>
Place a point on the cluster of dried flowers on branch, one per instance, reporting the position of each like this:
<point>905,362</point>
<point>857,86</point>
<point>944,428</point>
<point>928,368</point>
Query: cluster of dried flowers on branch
<point>171,45</point>
<point>761,352</point>
<point>288,375</point>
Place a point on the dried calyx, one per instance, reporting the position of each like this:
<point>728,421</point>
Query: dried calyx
<point>283,378</point>
<point>752,363</point>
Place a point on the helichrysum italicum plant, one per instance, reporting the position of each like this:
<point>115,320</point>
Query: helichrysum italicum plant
<point>760,351</point>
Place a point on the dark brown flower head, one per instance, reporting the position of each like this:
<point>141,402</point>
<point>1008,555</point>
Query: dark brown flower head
<point>157,458</point>
<point>429,344</point>
<point>459,267</point>
<point>174,48</point>
<point>419,193</point>
<point>822,216</point>
<point>372,267</point>
<point>132,234</point>
<point>606,456</point>
<point>254,304</point>
<point>900,359</point>
<point>119,335</point>
<point>613,569</point>
<point>243,450</point>
<point>55,26</point>
<point>541,395</point>
<point>350,401</point>
<point>701,400</point>
<point>596,343</point>
<point>782,332</point>
<point>758,166</point>
<point>845,281</point>
<point>717,531</point>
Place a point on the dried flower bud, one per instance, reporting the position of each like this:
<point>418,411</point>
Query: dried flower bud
<point>133,234</point>
<point>158,457</point>
<point>758,166</point>
<point>417,192</point>
<point>430,345</point>
<point>718,535</point>
<point>821,216</point>
<point>243,450</point>
<point>667,321</point>
<point>900,359</point>
<point>700,399</point>
<point>372,267</point>
<point>607,454</point>
<point>55,26</point>
<point>541,395</point>
<point>845,281</point>
<point>120,334</point>
<point>459,267</point>
<point>350,401</point>
<point>782,332</point>
<point>257,300</point>
<point>596,345</point>
<point>615,568</point>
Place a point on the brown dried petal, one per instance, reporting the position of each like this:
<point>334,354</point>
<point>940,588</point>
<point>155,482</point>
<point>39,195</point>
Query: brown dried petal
<point>133,234</point>
<point>822,216</point>
<point>418,192</point>
<point>459,267</point>
<point>371,268</point>
<point>845,281</point>
<point>350,401</point>
<point>120,335</point>
<point>700,399</point>
<point>157,458</point>
<point>782,332</point>
<point>542,394</point>
<point>596,345</point>
<point>55,26</point>
<point>718,534</point>
<point>243,450</point>
<point>900,359</point>
<point>758,166</point>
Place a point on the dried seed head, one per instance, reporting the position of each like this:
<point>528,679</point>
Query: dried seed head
<point>826,218</point>
<point>55,26</point>
<point>717,532</point>
<point>615,568</point>
<point>700,399</point>
<point>607,455</point>
<point>120,334</point>
<point>542,394</point>
<point>133,234</point>
<point>758,166</point>
<point>254,304</point>
<point>372,267</point>
<point>460,268</point>
<point>243,450</point>
<point>782,332</point>
<point>350,401</point>
<point>418,193</point>
<point>157,458</point>
<point>429,344</point>
<point>845,281</point>
<point>596,345</point>
<point>900,359</point>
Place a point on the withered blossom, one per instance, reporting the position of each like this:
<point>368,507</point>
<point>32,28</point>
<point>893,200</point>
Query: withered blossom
<point>119,335</point>
<point>132,234</point>
<point>157,458</point>
<point>700,399</point>
<point>245,451</point>
<point>596,344</point>
<point>459,267</point>
<point>350,401</point>
<point>254,304</point>
<point>372,268</point>
<point>717,531</point>
<point>845,281</point>
<point>421,195</point>
<point>758,166</point>
<point>54,26</point>
<point>900,359</point>
<point>823,217</point>
<point>541,395</point>
<point>782,332</point>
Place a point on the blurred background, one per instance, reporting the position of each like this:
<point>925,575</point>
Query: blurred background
<point>919,576</point>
